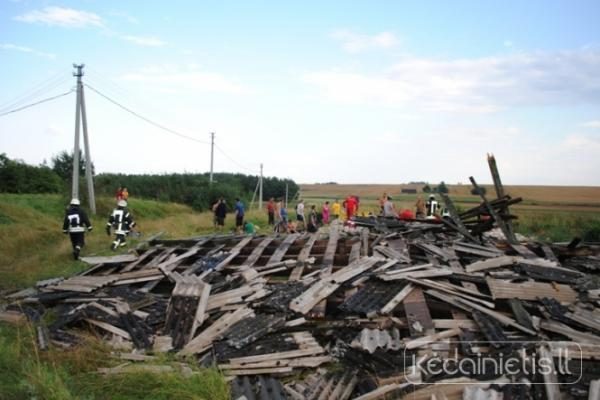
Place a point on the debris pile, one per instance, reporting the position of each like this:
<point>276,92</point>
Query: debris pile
<point>431,309</point>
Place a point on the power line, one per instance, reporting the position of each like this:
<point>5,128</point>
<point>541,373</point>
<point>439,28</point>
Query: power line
<point>36,103</point>
<point>144,118</point>
<point>35,91</point>
<point>234,161</point>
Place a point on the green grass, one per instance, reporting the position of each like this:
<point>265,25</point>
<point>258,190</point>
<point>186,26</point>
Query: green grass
<point>559,226</point>
<point>26,373</point>
<point>34,248</point>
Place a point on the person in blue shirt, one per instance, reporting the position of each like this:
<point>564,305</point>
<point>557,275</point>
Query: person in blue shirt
<point>239,215</point>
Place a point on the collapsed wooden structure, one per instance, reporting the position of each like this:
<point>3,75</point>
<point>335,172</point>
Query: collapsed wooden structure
<point>382,309</point>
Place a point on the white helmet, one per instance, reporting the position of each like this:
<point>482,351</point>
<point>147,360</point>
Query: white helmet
<point>432,197</point>
<point>75,202</point>
<point>122,203</point>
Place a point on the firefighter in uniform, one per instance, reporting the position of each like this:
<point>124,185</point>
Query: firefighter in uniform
<point>122,221</point>
<point>76,222</point>
<point>432,207</point>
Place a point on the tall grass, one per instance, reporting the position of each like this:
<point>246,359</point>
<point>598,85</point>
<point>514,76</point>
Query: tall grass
<point>559,226</point>
<point>56,374</point>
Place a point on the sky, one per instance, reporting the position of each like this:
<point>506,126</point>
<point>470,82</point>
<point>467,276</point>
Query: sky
<point>342,91</point>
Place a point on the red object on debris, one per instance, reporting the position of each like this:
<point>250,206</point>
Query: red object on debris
<point>407,215</point>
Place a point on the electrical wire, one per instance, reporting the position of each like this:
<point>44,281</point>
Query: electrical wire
<point>30,95</point>
<point>157,125</point>
<point>36,103</point>
<point>234,161</point>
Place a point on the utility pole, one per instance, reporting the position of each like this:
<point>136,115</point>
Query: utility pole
<point>286,194</point>
<point>260,191</point>
<point>212,152</point>
<point>81,119</point>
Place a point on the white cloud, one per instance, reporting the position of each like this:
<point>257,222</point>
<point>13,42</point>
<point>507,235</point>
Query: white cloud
<point>149,41</point>
<point>62,16</point>
<point>355,43</point>
<point>24,49</point>
<point>174,78</point>
<point>131,19</point>
<point>591,124</point>
<point>475,85</point>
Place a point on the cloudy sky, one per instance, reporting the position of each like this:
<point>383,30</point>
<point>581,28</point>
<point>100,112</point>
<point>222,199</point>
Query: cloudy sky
<point>346,91</point>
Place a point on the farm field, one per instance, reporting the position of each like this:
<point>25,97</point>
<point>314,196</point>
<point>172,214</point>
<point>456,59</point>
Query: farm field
<point>550,213</point>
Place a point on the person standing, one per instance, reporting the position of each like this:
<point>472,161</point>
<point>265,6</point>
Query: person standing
<point>420,208</point>
<point>122,221</point>
<point>214,211</point>
<point>300,214</point>
<point>389,210</point>
<point>119,194</point>
<point>271,211</point>
<point>220,213</point>
<point>336,209</point>
<point>125,194</point>
<point>312,225</point>
<point>325,213</point>
<point>351,205</point>
<point>76,223</point>
<point>239,215</point>
<point>432,207</point>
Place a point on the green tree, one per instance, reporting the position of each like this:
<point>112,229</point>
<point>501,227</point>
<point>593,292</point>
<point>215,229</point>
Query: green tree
<point>62,164</point>
<point>476,192</point>
<point>426,188</point>
<point>442,188</point>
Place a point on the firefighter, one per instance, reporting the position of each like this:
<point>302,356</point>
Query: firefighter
<point>76,222</point>
<point>432,207</point>
<point>122,221</point>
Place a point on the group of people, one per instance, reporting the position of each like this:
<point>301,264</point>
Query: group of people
<point>279,219</point>
<point>76,223</point>
<point>220,210</point>
<point>423,210</point>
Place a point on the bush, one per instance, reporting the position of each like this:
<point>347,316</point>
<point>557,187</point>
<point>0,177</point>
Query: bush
<point>476,192</point>
<point>18,177</point>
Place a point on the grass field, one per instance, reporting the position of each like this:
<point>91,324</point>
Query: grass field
<point>33,248</point>
<point>550,213</point>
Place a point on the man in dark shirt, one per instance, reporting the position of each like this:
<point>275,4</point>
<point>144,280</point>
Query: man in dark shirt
<point>239,215</point>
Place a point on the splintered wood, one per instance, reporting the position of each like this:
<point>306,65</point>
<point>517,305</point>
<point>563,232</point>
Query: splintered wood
<point>358,311</point>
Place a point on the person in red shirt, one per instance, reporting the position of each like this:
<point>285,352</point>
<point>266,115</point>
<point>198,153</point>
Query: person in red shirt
<point>350,204</point>
<point>271,211</point>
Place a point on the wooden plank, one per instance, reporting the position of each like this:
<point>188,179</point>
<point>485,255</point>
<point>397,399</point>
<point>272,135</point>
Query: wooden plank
<point>140,259</point>
<point>283,248</point>
<point>551,377</point>
<point>109,328</point>
<point>354,253</point>
<point>425,340</point>
<point>417,313</point>
<point>205,338</point>
<point>502,289</point>
<point>491,263</point>
<point>277,356</point>
<point>259,371</point>
<point>118,259</point>
<point>234,252</point>
<point>258,250</point>
<point>397,299</point>
<point>328,257</point>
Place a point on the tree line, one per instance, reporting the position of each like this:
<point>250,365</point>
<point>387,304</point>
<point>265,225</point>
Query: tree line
<point>195,190</point>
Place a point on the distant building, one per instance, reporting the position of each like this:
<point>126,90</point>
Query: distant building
<point>408,191</point>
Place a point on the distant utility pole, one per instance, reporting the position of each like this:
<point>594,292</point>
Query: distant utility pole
<point>212,152</point>
<point>286,193</point>
<point>260,190</point>
<point>81,119</point>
